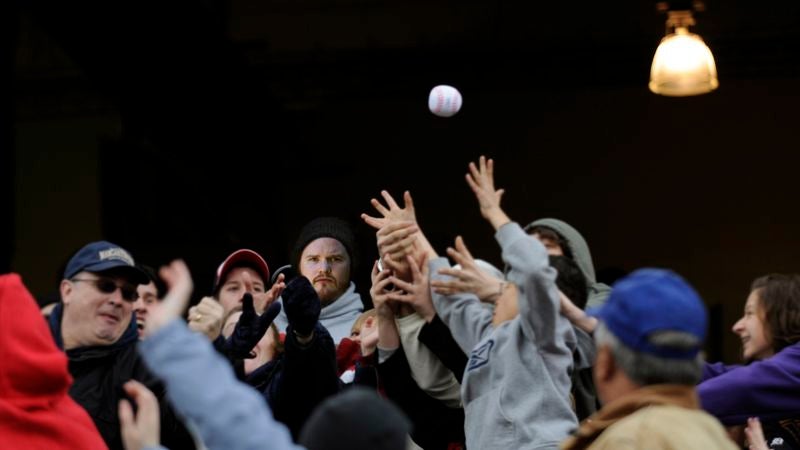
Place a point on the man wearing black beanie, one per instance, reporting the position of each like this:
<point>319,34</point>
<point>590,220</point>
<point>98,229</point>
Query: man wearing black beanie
<point>325,254</point>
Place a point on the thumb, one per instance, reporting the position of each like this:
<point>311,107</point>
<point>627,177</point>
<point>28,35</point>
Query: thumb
<point>269,315</point>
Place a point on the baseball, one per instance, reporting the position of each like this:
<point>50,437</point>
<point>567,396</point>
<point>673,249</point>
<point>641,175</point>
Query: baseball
<point>444,100</point>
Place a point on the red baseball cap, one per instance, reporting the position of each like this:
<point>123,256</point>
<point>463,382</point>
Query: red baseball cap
<point>242,258</point>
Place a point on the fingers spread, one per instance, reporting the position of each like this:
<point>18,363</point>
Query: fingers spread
<point>462,247</point>
<point>379,207</point>
<point>389,200</point>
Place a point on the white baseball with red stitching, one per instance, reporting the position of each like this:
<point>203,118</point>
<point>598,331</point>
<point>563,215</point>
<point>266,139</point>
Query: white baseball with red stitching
<point>444,100</point>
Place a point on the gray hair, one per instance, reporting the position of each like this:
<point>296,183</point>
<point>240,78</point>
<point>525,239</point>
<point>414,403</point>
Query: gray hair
<point>645,369</point>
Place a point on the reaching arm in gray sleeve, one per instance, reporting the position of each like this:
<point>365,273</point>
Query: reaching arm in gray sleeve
<point>468,320</point>
<point>539,306</point>
<point>202,387</point>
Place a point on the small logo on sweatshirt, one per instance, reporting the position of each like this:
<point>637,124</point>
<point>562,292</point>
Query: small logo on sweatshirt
<point>480,356</point>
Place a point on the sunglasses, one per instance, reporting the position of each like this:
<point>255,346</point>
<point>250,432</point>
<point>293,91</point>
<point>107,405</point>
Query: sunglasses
<point>108,286</point>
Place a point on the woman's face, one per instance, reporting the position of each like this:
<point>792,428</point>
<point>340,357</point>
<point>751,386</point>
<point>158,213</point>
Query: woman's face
<point>751,330</point>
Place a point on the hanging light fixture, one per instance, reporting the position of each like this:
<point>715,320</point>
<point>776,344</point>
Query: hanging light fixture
<point>683,64</point>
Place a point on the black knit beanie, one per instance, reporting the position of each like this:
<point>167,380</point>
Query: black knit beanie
<point>357,419</point>
<point>331,227</point>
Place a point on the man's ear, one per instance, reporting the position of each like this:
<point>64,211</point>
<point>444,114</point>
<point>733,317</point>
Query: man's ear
<point>604,366</point>
<point>65,289</point>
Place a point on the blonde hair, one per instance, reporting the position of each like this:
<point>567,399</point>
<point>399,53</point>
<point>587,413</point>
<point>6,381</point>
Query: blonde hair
<point>361,319</point>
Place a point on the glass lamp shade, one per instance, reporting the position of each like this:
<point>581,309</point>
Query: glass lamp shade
<point>683,65</point>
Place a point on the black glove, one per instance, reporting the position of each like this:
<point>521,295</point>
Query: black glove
<point>250,328</point>
<point>302,305</point>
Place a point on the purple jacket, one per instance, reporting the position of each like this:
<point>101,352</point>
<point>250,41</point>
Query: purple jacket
<point>768,389</point>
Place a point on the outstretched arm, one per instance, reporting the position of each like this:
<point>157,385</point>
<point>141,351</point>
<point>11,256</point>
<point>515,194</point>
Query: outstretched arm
<point>469,278</point>
<point>427,370</point>
<point>391,239</point>
<point>481,180</point>
<point>765,388</point>
<point>388,337</point>
<point>577,316</point>
<point>530,268</point>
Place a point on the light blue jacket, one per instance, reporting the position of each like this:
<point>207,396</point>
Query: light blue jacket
<point>202,388</point>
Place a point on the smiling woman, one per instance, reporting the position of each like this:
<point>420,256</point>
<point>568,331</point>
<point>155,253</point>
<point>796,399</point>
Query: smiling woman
<point>766,387</point>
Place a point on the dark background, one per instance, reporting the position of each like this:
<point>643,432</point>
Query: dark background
<point>190,129</point>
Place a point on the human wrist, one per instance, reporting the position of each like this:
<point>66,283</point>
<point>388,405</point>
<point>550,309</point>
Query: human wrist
<point>303,339</point>
<point>497,218</point>
<point>495,290</point>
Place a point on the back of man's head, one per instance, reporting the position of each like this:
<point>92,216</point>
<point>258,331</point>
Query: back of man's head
<point>357,419</point>
<point>655,324</point>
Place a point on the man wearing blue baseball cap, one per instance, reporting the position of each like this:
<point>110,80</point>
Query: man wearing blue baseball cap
<point>649,337</point>
<point>93,324</point>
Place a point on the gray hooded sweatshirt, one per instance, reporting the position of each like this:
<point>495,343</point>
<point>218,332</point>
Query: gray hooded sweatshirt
<point>517,382</point>
<point>598,292</point>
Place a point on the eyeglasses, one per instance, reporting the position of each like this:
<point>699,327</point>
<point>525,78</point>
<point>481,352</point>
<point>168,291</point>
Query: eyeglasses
<point>108,286</point>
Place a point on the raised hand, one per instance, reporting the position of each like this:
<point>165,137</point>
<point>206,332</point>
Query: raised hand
<point>480,179</point>
<point>393,213</point>
<point>369,336</point>
<point>250,328</point>
<point>143,429</point>
<point>272,294</point>
<point>469,278</point>
<point>385,308</point>
<point>397,239</point>
<point>179,284</point>
<point>302,306</point>
<point>206,317</point>
<point>417,293</point>
<point>379,290</point>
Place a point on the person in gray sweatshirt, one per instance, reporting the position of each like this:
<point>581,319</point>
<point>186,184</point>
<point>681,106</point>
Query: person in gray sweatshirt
<point>517,383</point>
<point>561,238</point>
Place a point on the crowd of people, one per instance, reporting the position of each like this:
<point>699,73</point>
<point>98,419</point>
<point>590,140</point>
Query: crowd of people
<point>454,353</point>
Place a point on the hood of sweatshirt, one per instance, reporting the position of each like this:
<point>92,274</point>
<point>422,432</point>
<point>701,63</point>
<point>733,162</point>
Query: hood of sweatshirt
<point>35,408</point>
<point>598,292</point>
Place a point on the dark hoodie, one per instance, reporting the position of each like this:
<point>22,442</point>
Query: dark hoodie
<point>35,410</point>
<point>100,371</point>
<point>598,292</point>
